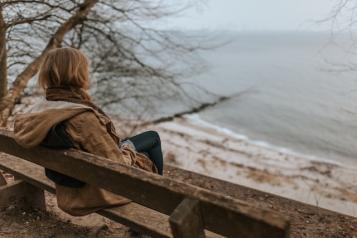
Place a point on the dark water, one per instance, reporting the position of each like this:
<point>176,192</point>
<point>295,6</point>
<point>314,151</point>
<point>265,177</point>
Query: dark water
<point>293,101</point>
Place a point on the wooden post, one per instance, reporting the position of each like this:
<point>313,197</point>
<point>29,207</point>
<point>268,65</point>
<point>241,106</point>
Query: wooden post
<point>186,220</point>
<point>2,180</point>
<point>23,194</point>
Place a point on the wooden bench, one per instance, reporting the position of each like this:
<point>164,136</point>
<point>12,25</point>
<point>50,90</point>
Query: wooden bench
<point>161,207</point>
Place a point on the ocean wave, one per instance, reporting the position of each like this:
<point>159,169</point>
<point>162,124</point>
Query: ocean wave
<point>197,120</point>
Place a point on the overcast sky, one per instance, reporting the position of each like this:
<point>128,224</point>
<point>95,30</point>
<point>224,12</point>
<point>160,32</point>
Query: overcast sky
<point>256,15</point>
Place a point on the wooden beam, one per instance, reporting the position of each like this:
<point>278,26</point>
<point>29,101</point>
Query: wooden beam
<point>141,219</point>
<point>154,191</point>
<point>22,194</point>
<point>27,171</point>
<point>186,220</point>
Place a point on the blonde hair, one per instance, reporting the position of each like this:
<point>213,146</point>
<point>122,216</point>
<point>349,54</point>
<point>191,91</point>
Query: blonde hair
<point>64,67</point>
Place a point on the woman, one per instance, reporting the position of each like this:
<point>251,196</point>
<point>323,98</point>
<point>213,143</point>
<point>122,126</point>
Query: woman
<point>69,119</point>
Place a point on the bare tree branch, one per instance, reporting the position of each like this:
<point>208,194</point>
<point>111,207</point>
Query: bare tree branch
<point>133,63</point>
<point>22,79</point>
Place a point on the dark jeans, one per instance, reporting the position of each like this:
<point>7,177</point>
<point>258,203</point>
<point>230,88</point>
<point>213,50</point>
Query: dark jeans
<point>149,143</point>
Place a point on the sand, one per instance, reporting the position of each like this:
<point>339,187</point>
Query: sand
<point>197,148</point>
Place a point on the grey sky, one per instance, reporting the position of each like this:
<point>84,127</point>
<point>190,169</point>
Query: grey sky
<point>256,15</point>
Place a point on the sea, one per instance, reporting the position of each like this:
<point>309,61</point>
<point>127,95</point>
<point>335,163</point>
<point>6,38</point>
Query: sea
<point>296,91</point>
<point>292,91</point>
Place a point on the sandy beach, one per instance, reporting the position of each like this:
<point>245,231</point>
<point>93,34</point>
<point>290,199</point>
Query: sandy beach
<point>204,150</point>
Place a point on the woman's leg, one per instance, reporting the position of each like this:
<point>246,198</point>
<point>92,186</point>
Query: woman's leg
<point>150,143</point>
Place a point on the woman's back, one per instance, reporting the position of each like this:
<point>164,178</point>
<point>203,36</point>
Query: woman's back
<point>84,124</point>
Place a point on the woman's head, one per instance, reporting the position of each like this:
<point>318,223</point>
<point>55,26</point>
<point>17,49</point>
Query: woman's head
<point>64,67</point>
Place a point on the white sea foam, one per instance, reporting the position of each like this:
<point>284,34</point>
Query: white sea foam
<point>197,120</point>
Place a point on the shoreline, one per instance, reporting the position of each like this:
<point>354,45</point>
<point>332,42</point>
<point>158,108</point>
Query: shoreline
<point>195,119</point>
<point>214,153</point>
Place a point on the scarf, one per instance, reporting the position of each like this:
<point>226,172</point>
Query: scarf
<point>80,96</point>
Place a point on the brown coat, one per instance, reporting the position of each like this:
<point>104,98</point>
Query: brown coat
<point>89,132</point>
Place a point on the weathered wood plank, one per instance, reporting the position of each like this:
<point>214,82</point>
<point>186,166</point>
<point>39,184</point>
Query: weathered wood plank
<point>141,219</point>
<point>28,172</point>
<point>186,220</point>
<point>153,191</point>
<point>23,194</point>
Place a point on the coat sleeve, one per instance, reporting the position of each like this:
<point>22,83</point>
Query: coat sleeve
<point>88,134</point>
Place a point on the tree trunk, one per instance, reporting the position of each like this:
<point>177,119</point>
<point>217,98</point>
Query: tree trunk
<point>20,83</point>
<point>3,57</point>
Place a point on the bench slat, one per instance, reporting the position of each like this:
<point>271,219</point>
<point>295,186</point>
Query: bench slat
<point>140,218</point>
<point>28,172</point>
